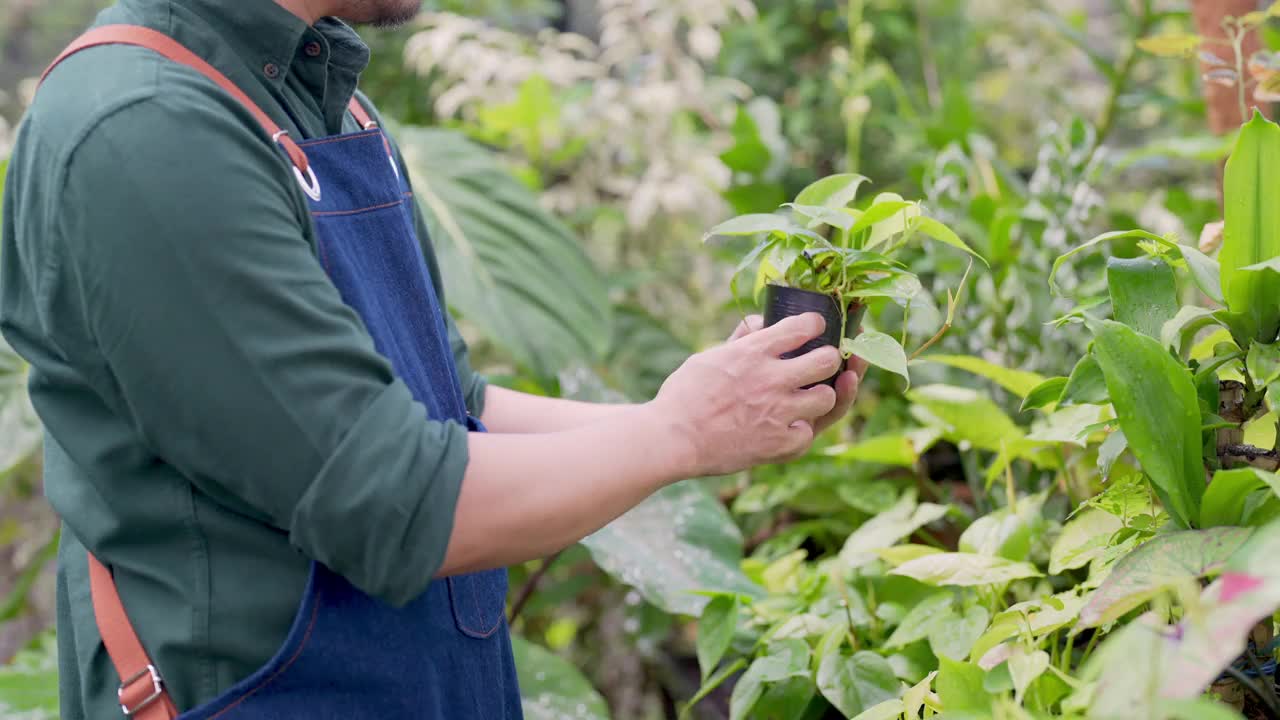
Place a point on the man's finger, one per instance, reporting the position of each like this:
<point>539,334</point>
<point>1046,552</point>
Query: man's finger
<point>814,366</point>
<point>752,323</point>
<point>846,392</point>
<point>859,366</point>
<point>789,333</point>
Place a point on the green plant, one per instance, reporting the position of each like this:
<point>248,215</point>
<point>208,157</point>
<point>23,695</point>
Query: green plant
<point>828,247</point>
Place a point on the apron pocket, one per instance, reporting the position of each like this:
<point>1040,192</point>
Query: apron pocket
<point>479,602</point>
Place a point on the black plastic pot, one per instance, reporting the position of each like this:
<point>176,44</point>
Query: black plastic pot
<point>783,302</point>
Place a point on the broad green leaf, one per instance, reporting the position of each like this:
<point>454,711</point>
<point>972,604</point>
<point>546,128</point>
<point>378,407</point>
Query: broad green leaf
<point>960,687</point>
<point>551,688</point>
<point>913,700</point>
<point>1227,497</point>
<point>899,554</point>
<point>900,288</point>
<point>1071,425</point>
<point>921,619</point>
<point>858,682</point>
<point>715,631</point>
<point>1179,333</point>
<point>888,528</point>
<point>1045,394</point>
<point>788,699</point>
<point>1018,382</point>
<point>1087,385</point>
<point>887,710</point>
<point>1252,234</point>
<point>833,191</point>
<point>820,215</point>
<point>1155,401</point>
<point>1007,532</point>
<point>1263,363</point>
<point>1083,538</point>
<point>955,638</point>
<point>514,270</point>
<point>894,225</point>
<point>784,659</point>
<point>966,415</point>
<point>881,210</point>
<point>1025,667</point>
<point>1160,563</point>
<point>747,691</point>
<point>965,569</point>
<point>1038,618</point>
<point>1143,293</point>
<point>944,234</point>
<point>747,225</point>
<point>1171,44</point>
<point>880,350</point>
<point>678,541</point>
<point>883,450</point>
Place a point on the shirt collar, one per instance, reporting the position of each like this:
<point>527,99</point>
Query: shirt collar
<point>264,34</point>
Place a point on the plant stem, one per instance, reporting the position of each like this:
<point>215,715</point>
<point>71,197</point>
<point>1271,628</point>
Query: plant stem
<point>1269,687</point>
<point>713,682</point>
<point>1066,653</point>
<point>530,585</point>
<point>1244,680</point>
<point>1237,35</point>
<point>1088,649</point>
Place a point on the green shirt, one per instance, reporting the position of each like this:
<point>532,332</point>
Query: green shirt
<point>216,416</point>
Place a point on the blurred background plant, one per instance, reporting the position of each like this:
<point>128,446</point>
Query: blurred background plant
<point>571,153</point>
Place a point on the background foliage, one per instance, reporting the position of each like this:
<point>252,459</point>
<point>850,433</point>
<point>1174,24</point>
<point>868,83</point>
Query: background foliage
<point>1028,530</point>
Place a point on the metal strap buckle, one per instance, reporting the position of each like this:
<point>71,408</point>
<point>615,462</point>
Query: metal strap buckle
<point>157,690</point>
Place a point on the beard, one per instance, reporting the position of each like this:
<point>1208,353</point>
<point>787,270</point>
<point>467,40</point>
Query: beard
<point>380,13</point>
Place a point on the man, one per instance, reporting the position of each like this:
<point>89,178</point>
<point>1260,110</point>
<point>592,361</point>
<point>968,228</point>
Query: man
<point>261,431</point>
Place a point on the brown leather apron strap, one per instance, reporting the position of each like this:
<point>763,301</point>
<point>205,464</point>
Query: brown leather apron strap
<point>361,115</point>
<point>173,50</point>
<point>142,693</point>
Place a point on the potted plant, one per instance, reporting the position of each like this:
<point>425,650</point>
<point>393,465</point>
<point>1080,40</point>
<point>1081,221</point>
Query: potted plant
<point>819,254</point>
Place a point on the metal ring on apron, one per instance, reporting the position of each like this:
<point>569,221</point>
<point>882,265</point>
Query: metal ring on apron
<point>309,183</point>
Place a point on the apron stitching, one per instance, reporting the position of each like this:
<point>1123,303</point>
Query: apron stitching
<point>340,138</point>
<point>315,612</point>
<point>331,213</point>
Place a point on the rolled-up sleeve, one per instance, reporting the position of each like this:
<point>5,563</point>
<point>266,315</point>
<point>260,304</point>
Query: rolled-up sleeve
<point>221,338</point>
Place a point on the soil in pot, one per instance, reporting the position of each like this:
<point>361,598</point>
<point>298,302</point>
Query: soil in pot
<point>783,302</point>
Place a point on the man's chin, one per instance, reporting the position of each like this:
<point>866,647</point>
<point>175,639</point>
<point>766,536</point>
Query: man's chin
<point>381,13</point>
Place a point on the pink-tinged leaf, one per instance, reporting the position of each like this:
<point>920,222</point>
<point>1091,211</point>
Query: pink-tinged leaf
<point>1162,562</point>
<point>1236,584</point>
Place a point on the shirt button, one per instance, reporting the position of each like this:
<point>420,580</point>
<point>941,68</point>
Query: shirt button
<point>271,70</point>
<point>312,49</point>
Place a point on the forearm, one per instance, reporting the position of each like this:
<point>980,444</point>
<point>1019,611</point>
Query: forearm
<point>509,411</point>
<point>527,496</point>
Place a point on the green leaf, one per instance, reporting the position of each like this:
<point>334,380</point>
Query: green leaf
<point>1171,44</point>
<point>882,209</point>
<point>1087,385</point>
<point>514,270</point>
<point>715,631</point>
<point>1205,272</point>
<point>1045,394</point>
<point>887,710</point>
<point>1103,238</point>
<point>921,619</point>
<point>944,234</point>
<point>1179,333</point>
<point>551,688</point>
<point>1227,497</point>
<point>1252,232</point>
<point>1024,668</point>
<point>880,350</point>
<point>888,528</point>
<point>1155,401</point>
<point>1110,451</point>
<point>747,691</point>
<point>955,638</point>
<point>965,415</point>
<point>965,569</point>
<point>833,191</point>
<point>1007,533</point>
<point>747,225</point>
<point>883,450</point>
<point>1160,563</point>
<point>680,540</point>
<point>1083,538</point>
<point>1018,382</point>
<point>960,687</point>
<point>858,682</point>
<point>1143,293</point>
<point>1263,363</point>
<point>818,214</point>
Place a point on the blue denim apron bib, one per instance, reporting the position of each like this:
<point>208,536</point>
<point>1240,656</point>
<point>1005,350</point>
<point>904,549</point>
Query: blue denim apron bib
<point>447,654</point>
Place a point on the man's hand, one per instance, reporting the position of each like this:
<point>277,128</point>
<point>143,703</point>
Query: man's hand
<point>846,385</point>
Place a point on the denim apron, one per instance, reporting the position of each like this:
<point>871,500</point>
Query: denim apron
<point>447,654</point>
